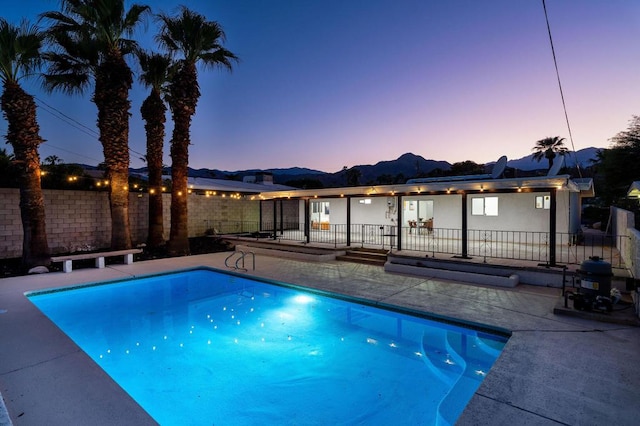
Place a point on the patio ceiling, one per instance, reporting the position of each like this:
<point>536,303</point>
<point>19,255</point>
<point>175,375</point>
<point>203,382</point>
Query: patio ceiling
<point>442,187</point>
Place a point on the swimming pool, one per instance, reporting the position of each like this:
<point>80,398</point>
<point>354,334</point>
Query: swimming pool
<point>206,347</point>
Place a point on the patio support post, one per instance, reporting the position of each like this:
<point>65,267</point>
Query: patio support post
<point>275,218</point>
<point>552,227</point>
<point>465,228</point>
<point>399,223</point>
<point>307,217</point>
<point>348,221</point>
<point>281,217</point>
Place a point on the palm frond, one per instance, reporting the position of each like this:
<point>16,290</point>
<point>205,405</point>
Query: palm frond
<point>193,38</point>
<point>134,17</point>
<point>19,50</point>
<point>155,69</point>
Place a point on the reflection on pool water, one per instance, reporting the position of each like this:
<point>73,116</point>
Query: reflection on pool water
<point>206,347</point>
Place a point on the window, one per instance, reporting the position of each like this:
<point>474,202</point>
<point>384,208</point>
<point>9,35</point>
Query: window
<point>491,206</point>
<point>477,206</point>
<point>484,206</point>
<point>320,211</point>
<point>543,202</point>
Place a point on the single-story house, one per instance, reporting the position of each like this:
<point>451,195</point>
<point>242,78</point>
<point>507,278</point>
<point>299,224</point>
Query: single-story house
<point>455,206</point>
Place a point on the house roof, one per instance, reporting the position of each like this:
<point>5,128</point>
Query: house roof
<point>634,189</point>
<point>223,185</point>
<point>583,186</point>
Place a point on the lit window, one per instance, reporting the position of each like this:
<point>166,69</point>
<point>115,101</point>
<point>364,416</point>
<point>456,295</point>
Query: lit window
<point>491,206</point>
<point>484,206</point>
<point>543,202</point>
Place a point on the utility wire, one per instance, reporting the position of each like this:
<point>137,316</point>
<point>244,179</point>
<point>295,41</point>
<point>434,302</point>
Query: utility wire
<point>564,106</point>
<point>74,153</point>
<point>76,124</point>
<point>49,144</point>
<point>89,129</point>
<point>61,116</point>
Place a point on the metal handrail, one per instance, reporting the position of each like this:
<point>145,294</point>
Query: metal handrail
<point>240,259</point>
<point>233,253</point>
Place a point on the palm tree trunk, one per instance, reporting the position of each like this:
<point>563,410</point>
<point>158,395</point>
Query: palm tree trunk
<point>153,112</point>
<point>184,97</point>
<point>179,235</point>
<point>113,81</point>
<point>23,133</point>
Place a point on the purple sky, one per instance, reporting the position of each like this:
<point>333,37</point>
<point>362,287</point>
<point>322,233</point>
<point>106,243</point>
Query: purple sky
<point>333,83</point>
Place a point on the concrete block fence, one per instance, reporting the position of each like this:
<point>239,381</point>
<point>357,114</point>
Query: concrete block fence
<point>623,223</point>
<point>81,220</point>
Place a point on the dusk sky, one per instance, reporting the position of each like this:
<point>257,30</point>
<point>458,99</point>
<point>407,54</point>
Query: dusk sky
<point>333,83</point>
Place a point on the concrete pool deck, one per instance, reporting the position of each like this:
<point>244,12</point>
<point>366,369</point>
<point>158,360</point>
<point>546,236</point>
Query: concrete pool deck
<point>554,369</point>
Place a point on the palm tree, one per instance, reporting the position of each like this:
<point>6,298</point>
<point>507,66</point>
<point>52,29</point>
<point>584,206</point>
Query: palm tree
<point>52,160</point>
<point>155,75</point>
<point>20,57</point>
<point>90,46</point>
<point>192,40</point>
<point>549,148</point>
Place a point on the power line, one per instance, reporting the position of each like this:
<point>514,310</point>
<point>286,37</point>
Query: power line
<point>72,152</point>
<point>76,124</point>
<point>564,106</point>
<point>61,116</point>
<point>90,130</point>
<point>50,145</point>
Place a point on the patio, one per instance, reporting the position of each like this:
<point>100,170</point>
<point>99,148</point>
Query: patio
<point>570,249</point>
<point>554,369</point>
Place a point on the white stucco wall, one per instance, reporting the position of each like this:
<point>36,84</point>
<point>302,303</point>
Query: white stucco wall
<point>516,211</point>
<point>575,212</point>
<point>566,208</point>
<point>381,211</point>
<point>447,211</point>
<point>339,210</point>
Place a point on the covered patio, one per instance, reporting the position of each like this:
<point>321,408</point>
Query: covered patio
<point>530,219</point>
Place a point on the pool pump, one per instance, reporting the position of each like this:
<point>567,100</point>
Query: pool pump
<point>594,292</point>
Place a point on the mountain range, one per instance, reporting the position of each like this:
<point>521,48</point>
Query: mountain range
<point>407,165</point>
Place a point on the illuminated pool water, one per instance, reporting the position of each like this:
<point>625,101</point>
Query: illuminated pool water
<point>205,347</point>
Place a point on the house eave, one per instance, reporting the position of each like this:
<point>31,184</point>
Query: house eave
<point>525,184</point>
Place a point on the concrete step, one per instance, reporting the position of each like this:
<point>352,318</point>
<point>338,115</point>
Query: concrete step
<point>365,256</point>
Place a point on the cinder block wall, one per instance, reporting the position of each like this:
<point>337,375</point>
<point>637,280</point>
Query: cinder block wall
<point>82,220</point>
<point>209,212</point>
<point>10,221</point>
<point>287,210</point>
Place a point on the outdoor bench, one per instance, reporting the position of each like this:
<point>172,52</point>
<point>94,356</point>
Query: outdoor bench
<point>99,257</point>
